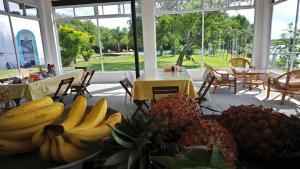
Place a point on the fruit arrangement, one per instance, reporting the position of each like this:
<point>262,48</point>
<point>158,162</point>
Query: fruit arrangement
<point>64,142</point>
<point>262,133</point>
<point>18,125</point>
<point>174,129</point>
<point>38,125</point>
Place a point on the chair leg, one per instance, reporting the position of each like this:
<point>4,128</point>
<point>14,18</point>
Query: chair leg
<point>235,86</point>
<point>268,92</point>
<point>85,90</point>
<point>125,99</point>
<point>215,87</point>
<point>282,98</point>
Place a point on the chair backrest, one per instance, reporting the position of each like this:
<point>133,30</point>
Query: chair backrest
<point>164,90</point>
<point>89,77</point>
<point>205,87</point>
<point>130,76</point>
<point>293,77</point>
<point>126,84</point>
<point>210,69</point>
<point>239,62</point>
<point>81,67</point>
<point>65,82</point>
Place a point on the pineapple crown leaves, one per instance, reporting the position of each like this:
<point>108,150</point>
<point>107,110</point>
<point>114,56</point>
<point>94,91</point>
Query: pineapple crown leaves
<point>199,157</point>
<point>134,138</point>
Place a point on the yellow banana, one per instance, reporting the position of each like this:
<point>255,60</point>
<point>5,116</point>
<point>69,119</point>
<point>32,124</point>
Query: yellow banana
<point>25,133</point>
<point>76,113</point>
<point>93,134</point>
<point>96,115</point>
<point>39,103</point>
<point>9,147</point>
<point>38,138</point>
<point>54,149</point>
<point>45,150</point>
<point>31,118</point>
<point>68,152</point>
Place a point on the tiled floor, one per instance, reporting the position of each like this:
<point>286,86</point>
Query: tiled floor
<point>221,100</point>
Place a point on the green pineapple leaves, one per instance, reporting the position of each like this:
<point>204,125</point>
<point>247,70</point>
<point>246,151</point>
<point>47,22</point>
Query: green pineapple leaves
<point>195,158</point>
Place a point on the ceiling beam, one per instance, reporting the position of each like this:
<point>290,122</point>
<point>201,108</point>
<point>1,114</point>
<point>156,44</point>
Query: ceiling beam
<point>81,2</point>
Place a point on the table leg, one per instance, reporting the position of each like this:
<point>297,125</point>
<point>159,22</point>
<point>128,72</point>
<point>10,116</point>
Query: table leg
<point>250,84</point>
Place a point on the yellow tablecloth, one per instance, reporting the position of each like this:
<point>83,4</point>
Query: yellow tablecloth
<point>142,87</point>
<point>38,89</point>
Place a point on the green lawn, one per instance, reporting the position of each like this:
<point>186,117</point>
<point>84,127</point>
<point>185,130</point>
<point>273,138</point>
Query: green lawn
<point>126,62</point>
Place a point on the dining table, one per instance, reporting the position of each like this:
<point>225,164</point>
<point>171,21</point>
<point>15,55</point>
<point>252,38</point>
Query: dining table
<point>40,88</point>
<point>255,77</point>
<point>142,87</point>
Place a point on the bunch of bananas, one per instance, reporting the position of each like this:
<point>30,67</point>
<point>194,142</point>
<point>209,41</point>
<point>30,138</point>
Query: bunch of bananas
<point>63,142</point>
<point>17,126</point>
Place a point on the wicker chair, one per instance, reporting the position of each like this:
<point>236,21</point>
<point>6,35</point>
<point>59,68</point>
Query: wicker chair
<point>239,66</point>
<point>222,78</point>
<point>287,84</point>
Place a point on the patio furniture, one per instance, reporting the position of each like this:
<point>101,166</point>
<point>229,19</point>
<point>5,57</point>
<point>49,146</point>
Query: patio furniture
<point>81,88</point>
<point>255,78</point>
<point>126,84</point>
<point>142,87</point>
<point>5,100</point>
<point>41,88</point>
<point>205,88</point>
<point>222,78</point>
<point>287,84</point>
<point>163,91</point>
<point>239,66</point>
<point>64,85</point>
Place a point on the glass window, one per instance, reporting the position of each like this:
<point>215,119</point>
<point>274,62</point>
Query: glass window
<point>64,13</point>
<point>84,11</point>
<point>2,8</point>
<point>29,42</point>
<point>31,11</point>
<point>127,8</point>
<point>16,8</point>
<point>100,10</point>
<point>283,22</point>
<point>110,9</point>
<point>8,61</point>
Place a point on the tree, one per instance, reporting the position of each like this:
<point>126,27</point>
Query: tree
<point>73,43</point>
<point>283,47</point>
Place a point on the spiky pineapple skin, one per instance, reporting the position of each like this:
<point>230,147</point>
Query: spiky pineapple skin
<point>205,132</point>
<point>262,133</point>
<point>178,110</point>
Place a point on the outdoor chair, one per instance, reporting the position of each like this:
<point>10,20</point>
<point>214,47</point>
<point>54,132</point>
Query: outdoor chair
<point>81,88</point>
<point>286,84</point>
<point>209,80</point>
<point>163,91</point>
<point>222,78</point>
<point>6,101</point>
<point>239,66</point>
<point>62,90</point>
<point>127,85</point>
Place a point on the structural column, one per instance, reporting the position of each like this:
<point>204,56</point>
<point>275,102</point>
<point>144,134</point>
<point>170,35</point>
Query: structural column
<point>149,34</point>
<point>48,30</point>
<point>262,33</point>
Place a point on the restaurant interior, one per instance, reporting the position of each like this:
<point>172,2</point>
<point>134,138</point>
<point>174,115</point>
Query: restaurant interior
<point>149,84</point>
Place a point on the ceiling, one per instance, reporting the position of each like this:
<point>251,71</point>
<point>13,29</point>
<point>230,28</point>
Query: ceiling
<point>80,2</point>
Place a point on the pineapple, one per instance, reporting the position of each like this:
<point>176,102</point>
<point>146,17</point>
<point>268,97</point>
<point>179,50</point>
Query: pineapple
<point>178,110</point>
<point>205,132</point>
<point>262,133</point>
